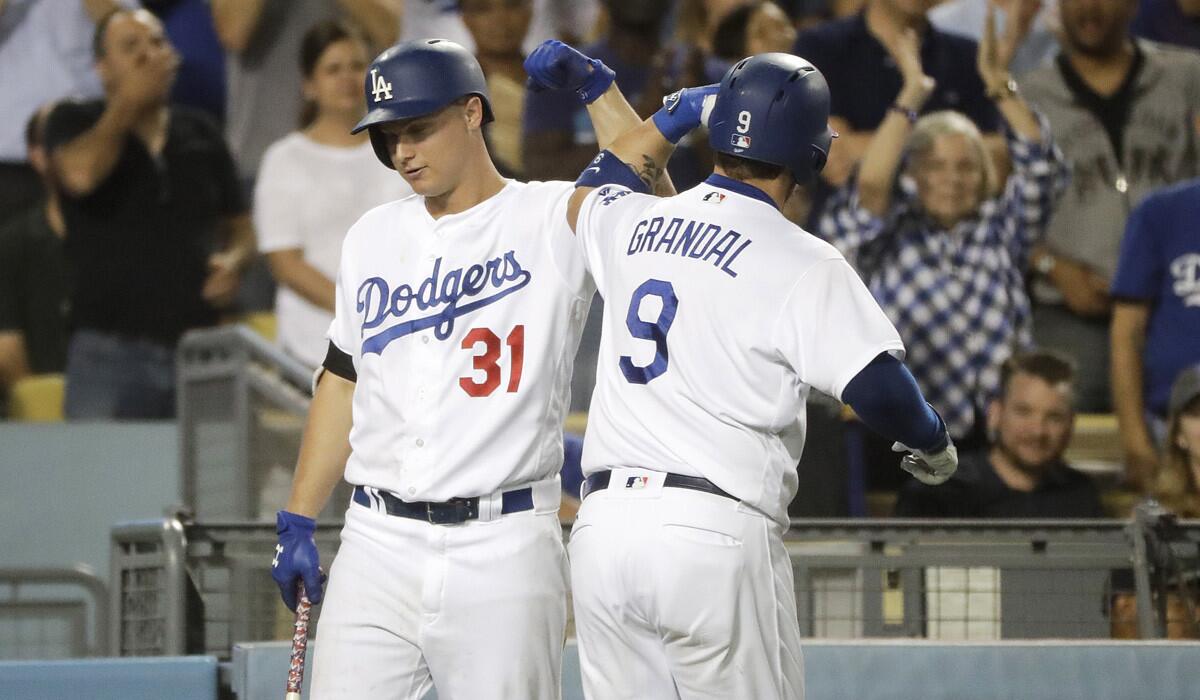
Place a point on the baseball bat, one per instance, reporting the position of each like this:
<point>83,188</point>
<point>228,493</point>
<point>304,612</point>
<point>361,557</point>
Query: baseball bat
<point>295,677</point>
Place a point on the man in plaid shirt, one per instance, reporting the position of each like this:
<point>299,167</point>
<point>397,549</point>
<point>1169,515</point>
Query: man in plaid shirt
<point>944,257</point>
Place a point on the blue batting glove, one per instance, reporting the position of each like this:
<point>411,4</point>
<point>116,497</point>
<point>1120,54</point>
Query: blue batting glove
<point>296,558</point>
<point>557,66</point>
<point>684,110</point>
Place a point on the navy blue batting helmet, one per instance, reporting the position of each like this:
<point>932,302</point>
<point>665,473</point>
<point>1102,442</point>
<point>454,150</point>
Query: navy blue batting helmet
<point>774,108</point>
<point>415,78</point>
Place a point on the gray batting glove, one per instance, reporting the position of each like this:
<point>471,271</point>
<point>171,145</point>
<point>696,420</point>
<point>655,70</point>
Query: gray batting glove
<point>930,468</point>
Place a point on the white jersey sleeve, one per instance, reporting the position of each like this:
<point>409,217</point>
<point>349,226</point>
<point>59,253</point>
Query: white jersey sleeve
<point>830,327</point>
<point>602,215</point>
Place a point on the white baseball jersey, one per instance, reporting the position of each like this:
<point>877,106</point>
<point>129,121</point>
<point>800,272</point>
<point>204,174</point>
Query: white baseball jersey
<point>719,316</point>
<point>463,332</point>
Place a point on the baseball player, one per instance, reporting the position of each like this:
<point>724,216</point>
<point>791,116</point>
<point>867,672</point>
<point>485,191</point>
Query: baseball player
<point>441,399</point>
<point>720,315</point>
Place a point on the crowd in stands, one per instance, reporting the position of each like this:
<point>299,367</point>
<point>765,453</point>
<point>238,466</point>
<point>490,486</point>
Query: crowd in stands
<point>1015,180</point>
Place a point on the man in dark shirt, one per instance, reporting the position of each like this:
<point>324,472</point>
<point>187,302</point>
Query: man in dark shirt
<point>157,230</point>
<point>855,56</point>
<point>1022,474</point>
<point>33,298</point>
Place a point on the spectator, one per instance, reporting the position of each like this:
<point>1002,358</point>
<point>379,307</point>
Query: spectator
<point>750,29</point>
<point>1022,474</point>
<point>1156,319</point>
<point>856,55</point>
<point>1178,484</point>
<point>498,28</point>
<point>966,17</point>
<point>1124,112</point>
<point>262,39</point>
<point>570,21</point>
<point>146,191</point>
<point>558,136</point>
<point>201,80</point>
<point>314,184</point>
<point>45,55</point>
<point>1169,22</point>
<point>944,261</point>
<point>33,298</point>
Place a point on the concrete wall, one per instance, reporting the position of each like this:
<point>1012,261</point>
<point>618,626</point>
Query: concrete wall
<point>63,486</point>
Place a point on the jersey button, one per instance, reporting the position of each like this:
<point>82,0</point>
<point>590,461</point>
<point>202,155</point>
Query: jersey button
<point>425,339</point>
<point>420,442</point>
<point>411,490</point>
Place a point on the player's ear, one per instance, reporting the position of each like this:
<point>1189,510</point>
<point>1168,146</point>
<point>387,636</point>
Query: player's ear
<point>473,112</point>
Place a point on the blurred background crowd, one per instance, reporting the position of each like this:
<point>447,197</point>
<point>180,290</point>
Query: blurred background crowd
<point>176,164</point>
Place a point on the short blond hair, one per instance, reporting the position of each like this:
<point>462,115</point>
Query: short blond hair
<point>948,122</point>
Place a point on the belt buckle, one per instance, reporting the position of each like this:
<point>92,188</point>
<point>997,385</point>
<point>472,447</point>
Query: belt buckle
<point>459,510</point>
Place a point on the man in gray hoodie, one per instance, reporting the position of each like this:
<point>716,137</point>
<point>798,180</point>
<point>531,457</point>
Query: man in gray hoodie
<point>1125,112</point>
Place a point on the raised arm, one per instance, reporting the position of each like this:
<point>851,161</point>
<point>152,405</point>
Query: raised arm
<point>380,19</point>
<point>235,22</point>
<point>877,170</point>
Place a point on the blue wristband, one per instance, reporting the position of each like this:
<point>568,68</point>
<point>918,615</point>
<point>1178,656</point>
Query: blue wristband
<point>607,169</point>
<point>596,83</point>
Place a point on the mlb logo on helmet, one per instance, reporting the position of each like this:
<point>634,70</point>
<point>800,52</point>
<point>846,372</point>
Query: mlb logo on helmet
<point>740,141</point>
<point>637,482</point>
<point>713,197</point>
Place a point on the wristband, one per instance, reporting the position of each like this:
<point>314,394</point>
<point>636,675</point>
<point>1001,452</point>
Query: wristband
<point>607,169</point>
<point>909,114</point>
<point>596,83</point>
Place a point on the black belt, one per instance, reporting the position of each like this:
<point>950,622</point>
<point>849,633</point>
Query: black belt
<point>599,481</point>
<point>451,512</point>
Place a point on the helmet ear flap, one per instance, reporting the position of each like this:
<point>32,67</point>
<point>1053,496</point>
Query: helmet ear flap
<point>379,141</point>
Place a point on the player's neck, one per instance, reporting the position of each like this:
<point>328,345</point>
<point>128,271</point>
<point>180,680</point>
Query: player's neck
<point>484,183</point>
<point>778,189</point>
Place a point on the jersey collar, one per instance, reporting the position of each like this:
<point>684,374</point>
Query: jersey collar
<point>727,183</point>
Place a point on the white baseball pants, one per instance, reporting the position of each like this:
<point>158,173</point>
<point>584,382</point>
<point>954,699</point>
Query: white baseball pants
<point>477,610</point>
<point>682,594</point>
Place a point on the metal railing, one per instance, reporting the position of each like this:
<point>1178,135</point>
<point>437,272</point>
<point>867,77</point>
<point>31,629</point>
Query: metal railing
<point>198,588</point>
<point>241,407</point>
<point>52,613</point>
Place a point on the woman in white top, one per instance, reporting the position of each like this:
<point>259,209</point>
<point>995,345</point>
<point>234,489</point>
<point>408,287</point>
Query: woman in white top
<point>314,183</point>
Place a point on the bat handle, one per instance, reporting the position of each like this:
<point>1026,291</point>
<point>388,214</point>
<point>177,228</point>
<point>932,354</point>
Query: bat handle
<point>299,645</point>
<point>292,696</point>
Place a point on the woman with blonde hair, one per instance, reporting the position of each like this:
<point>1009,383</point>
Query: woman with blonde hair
<point>942,245</point>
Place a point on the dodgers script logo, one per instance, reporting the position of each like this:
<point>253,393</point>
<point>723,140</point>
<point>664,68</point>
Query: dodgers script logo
<point>480,284</point>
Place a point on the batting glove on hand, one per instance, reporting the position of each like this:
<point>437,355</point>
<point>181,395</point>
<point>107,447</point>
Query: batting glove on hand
<point>296,558</point>
<point>557,66</point>
<point>684,110</point>
<point>930,468</point>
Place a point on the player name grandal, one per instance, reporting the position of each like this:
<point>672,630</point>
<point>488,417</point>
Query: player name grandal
<point>482,284</point>
<point>693,239</point>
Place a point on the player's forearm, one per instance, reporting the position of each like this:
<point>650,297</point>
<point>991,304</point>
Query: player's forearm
<point>291,270</point>
<point>885,396</point>
<point>612,116</point>
<point>1128,339</point>
<point>325,446</point>
<point>644,149</point>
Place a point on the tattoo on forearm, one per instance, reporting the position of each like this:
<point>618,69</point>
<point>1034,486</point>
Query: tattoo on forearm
<point>649,172</point>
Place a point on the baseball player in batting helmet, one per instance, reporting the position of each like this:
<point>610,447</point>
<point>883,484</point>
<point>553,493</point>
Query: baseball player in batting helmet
<point>720,316</point>
<point>442,399</point>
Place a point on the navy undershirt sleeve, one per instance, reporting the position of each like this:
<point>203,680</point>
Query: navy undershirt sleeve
<point>887,399</point>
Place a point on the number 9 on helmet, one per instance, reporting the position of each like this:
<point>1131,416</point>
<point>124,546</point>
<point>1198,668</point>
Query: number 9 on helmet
<point>774,108</point>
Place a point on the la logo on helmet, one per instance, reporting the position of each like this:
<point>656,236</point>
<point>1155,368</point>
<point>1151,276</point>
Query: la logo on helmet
<point>380,88</point>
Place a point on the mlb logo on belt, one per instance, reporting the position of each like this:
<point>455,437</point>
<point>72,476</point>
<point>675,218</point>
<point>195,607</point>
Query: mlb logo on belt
<point>740,141</point>
<point>637,482</point>
<point>713,197</point>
